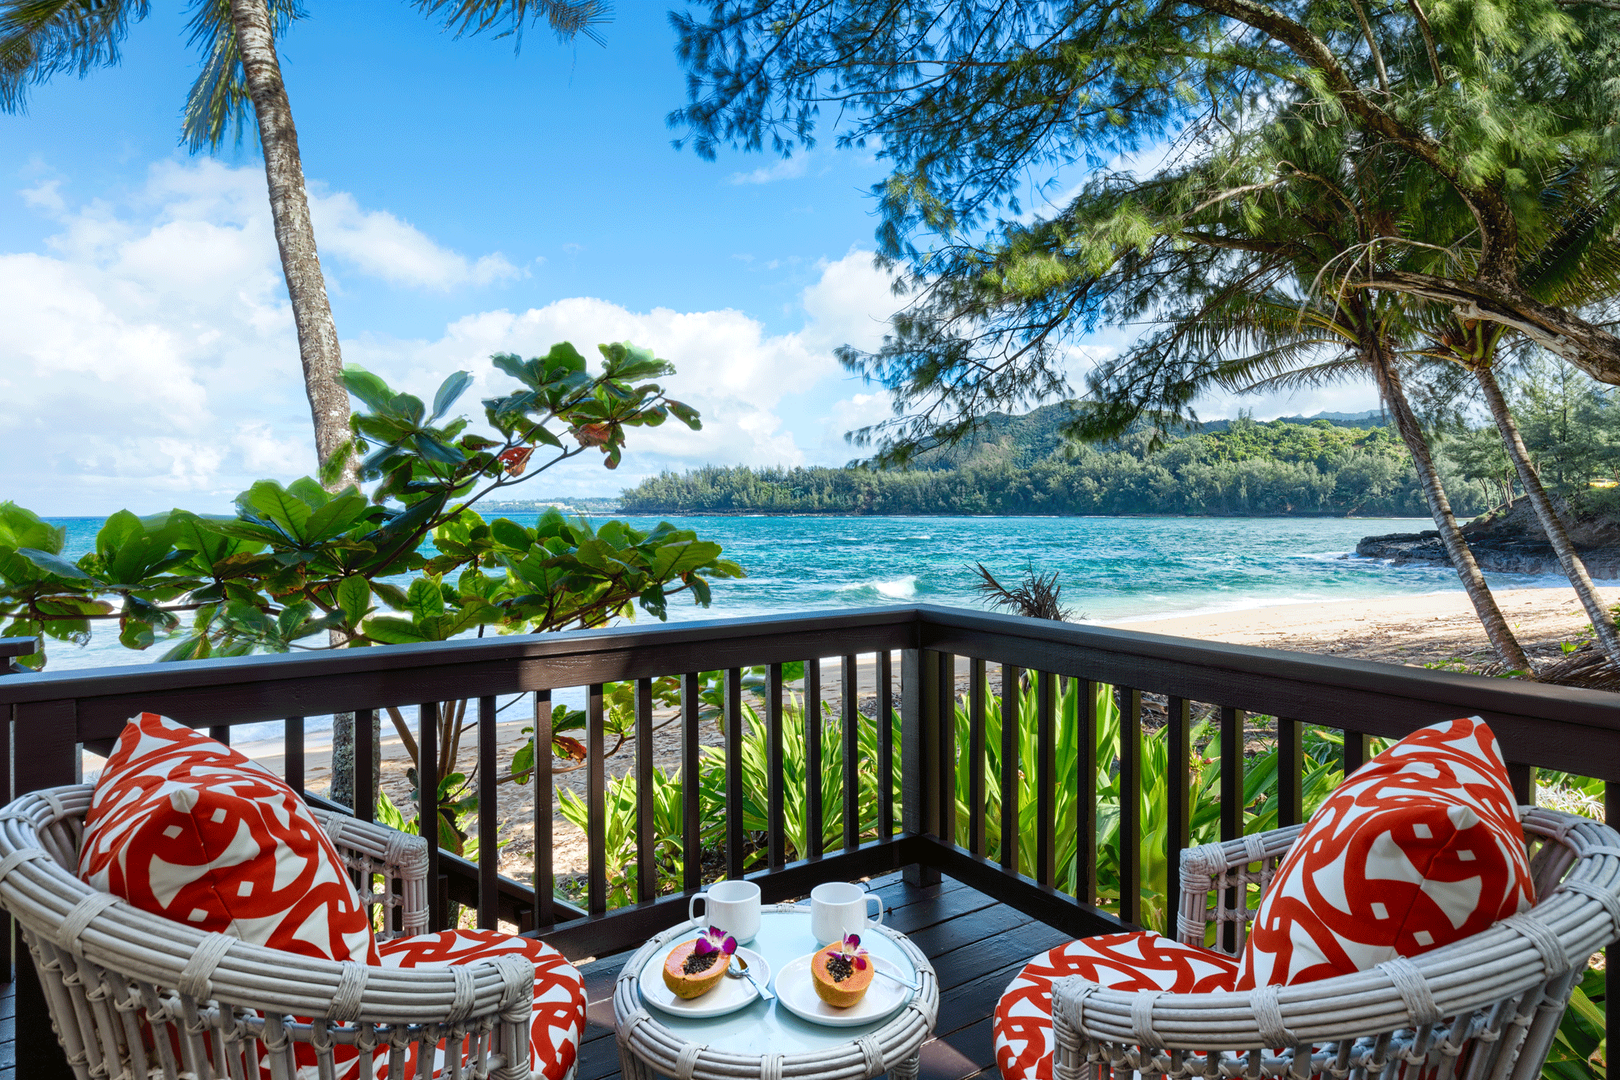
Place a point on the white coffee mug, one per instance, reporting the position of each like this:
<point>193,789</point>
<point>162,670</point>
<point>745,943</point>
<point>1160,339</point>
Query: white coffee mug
<point>732,906</point>
<point>838,908</point>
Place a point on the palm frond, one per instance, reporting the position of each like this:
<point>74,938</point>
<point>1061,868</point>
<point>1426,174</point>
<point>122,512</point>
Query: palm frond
<point>218,102</point>
<point>567,18</point>
<point>42,38</point>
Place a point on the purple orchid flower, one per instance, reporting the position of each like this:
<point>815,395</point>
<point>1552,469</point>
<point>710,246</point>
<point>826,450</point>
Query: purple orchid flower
<point>850,949</point>
<point>715,939</point>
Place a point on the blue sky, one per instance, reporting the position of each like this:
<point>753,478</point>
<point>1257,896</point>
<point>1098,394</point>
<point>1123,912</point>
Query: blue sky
<point>467,199</point>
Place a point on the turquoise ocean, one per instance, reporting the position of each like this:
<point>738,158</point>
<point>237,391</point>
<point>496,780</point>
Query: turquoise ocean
<point>1111,569</point>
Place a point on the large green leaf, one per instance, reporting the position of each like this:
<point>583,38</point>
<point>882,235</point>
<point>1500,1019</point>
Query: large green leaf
<point>278,505</point>
<point>392,630</point>
<point>452,388</point>
<point>53,564</point>
<point>675,560</point>
<point>338,516</point>
<point>424,599</point>
<point>20,528</point>
<point>369,388</point>
<point>354,597</point>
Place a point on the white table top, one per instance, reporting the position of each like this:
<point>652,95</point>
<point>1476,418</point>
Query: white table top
<point>762,1027</point>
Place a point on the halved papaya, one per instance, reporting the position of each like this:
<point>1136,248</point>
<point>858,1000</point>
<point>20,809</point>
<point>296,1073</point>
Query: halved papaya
<point>689,974</point>
<point>840,981</point>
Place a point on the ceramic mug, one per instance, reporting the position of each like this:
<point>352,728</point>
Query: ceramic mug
<point>733,906</point>
<point>838,908</point>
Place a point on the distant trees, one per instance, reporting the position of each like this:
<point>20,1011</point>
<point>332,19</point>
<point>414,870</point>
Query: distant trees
<point>1250,469</point>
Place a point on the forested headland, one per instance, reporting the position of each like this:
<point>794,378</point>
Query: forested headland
<point>1022,465</point>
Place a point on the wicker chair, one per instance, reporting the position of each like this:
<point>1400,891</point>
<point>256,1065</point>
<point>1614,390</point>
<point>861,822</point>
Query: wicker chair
<point>1488,1006</point>
<point>134,995</point>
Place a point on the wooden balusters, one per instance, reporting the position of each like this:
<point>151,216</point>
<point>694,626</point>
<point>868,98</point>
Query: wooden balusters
<point>1045,781</point>
<point>1178,803</point>
<point>646,837</point>
<point>1231,772</point>
<point>734,777</point>
<point>1085,790</point>
<point>945,729</point>
<point>1523,779</point>
<point>978,808</point>
<point>595,802</point>
<point>1231,795</point>
<point>489,854</point>
<point>292,753</point>
<point>885,718</point>
<point>1130,804</point>
<point>545,907</point>
<point>814,796</point>
<point>1290,772</point>
<point>775,821</point>
<point>365,753</point>
<point>850,700</point>
<point>919,712</point>
<point>691,760</point>
<point>427,803</point>
<point>1357,749</point>
<point>1011,695</point>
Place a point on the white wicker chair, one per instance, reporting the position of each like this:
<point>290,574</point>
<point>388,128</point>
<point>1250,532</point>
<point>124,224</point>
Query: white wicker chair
<point>125,987</point>
<point>1491,1003</point>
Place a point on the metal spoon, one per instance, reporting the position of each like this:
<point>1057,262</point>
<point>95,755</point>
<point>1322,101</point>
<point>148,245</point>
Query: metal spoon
<point>733,972</point>
<point>915,988</point>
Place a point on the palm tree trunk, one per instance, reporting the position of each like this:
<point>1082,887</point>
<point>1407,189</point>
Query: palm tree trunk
<point>1602,622</point>
<point>1390,387</point>
<point>295,235</point>
<point>318,348</point>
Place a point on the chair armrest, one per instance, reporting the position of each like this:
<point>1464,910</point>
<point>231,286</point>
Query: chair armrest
<point>376,851</point>
<point>1215,880</point>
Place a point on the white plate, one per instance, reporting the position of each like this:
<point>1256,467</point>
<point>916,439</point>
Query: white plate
<point>797,993</point>
<point>728,996</point>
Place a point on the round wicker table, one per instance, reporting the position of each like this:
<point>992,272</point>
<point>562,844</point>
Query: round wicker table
<point>762,1039</point>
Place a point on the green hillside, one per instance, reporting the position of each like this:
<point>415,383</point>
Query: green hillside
<point>1022,465</point>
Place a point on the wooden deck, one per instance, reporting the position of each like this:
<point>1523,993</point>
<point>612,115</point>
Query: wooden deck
<point>976,946</point>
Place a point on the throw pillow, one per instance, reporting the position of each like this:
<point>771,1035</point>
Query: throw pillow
<point>1421,847</point>
<point>182,826</point>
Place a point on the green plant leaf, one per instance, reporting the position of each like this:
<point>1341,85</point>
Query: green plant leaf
<point>53,564</point>
<point>454,385</point>
<point>354,597</point>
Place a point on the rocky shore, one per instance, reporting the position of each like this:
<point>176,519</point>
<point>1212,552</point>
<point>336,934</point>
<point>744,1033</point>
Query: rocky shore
<point>1510,541</point>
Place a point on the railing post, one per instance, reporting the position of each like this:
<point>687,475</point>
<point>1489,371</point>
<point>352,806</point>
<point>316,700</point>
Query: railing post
<point>918,699</point>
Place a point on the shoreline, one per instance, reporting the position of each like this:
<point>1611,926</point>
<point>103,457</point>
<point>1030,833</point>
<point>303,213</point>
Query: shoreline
<point>1418,629</point>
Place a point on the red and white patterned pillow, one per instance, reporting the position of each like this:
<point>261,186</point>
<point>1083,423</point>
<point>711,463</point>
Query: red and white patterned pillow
<point>182,826</point>
<point>1141,960</point>
<point>1421,847</point>
<point>558,1019</point>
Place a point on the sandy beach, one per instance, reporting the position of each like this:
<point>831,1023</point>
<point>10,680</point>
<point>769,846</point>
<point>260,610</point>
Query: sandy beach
<point>1413,630</point>
<point>1401,630</point>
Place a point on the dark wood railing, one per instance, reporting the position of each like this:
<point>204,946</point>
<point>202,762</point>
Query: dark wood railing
<point>1538,726</point>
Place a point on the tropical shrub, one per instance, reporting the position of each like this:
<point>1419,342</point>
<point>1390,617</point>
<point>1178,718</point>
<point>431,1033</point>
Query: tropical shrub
<point>302,567</point>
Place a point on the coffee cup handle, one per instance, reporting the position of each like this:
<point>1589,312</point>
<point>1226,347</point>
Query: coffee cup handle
<point>877,920</point>
<point>691,906</point>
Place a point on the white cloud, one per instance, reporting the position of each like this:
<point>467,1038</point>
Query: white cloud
<point>382,245</point>
<point>150,358</point>
<point>786,169</point>
<point>763,397</point>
